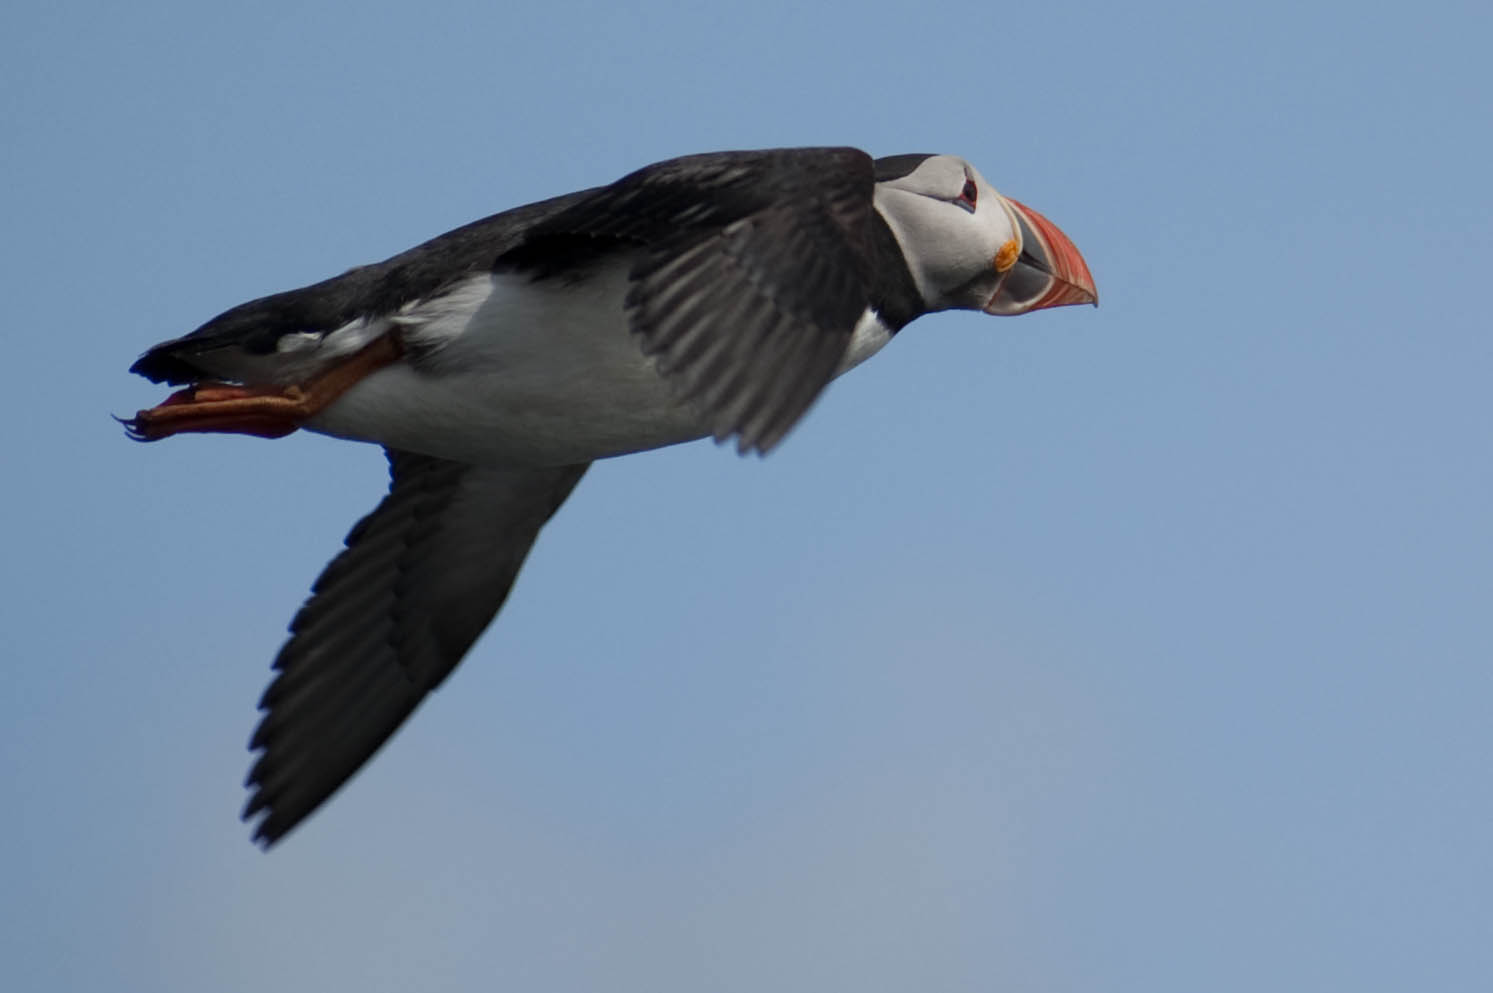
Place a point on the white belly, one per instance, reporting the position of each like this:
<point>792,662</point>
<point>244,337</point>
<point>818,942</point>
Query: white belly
<point>507,370</point>
<point>510,370</point>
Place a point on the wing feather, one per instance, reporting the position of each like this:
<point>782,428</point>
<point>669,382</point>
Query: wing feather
<point>388,620</point>
<point>752,270</point>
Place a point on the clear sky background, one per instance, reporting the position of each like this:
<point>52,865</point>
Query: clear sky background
<point>1140,649</point>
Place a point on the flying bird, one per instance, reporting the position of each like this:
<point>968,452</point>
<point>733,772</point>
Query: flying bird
<point>711,295</point>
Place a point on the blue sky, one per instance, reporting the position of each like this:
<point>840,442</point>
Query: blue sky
<point>1143,648</point>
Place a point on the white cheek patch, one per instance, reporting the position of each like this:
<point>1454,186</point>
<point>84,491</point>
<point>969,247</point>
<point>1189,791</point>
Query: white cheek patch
<point>950,251</point>
<point>898,208</point>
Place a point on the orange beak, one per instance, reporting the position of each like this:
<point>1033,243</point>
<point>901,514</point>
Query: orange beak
<point>1050,272</point>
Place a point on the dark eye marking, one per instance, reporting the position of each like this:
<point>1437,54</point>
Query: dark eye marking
<point>967,196</point>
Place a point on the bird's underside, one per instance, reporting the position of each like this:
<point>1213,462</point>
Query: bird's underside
<point>710,295</point>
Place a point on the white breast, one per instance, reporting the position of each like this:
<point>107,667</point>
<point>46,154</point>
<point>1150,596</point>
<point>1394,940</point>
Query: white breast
<point>869,337</point>
<point>506,369</point>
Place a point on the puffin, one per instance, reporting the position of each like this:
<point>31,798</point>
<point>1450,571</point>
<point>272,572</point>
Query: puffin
<point>713,295</point>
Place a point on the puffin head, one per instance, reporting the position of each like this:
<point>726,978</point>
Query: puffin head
<point>968,247</point>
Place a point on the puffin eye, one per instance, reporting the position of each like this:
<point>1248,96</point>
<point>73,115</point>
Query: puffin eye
<point>967,196</point>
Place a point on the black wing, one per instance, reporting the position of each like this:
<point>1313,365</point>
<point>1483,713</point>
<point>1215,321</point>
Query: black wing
<point>388,620</point>
<point>752,270</point>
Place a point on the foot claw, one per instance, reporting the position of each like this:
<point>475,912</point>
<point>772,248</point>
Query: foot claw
<point>132,428</point>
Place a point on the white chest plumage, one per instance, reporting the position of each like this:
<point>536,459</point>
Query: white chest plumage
<point>506,369</point>
<point>503,369</point>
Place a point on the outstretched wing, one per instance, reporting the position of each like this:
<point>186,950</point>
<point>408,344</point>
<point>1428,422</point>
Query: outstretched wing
<point>388,620</point>
<point>751,272</point>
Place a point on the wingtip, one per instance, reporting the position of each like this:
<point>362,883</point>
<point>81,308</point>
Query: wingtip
<point>262,839</point>
<point>259,817</point>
